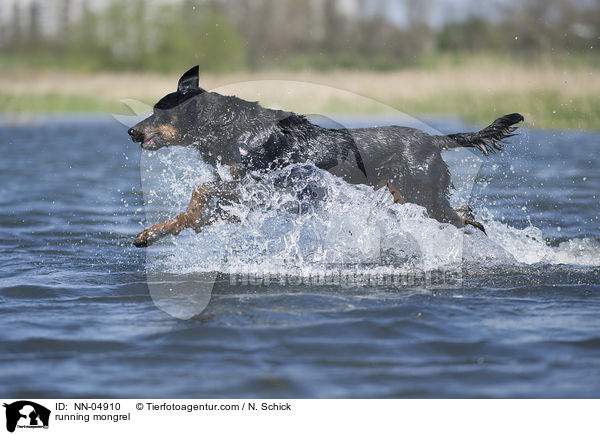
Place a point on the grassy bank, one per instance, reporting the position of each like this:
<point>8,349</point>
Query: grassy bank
<point>548,96</point>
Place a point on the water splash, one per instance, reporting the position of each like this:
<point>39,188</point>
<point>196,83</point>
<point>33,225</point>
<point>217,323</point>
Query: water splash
<point>317,222</point>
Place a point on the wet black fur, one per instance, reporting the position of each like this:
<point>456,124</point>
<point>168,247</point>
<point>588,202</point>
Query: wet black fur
<point>248,137</point>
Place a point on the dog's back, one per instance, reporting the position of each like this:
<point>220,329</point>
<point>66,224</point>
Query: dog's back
<point>405,159</point>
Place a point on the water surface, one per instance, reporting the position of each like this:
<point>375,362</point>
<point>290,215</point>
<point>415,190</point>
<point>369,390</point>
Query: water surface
<point>79,320</point>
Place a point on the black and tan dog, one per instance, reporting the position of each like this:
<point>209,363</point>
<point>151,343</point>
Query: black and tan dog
<point>243,136</point>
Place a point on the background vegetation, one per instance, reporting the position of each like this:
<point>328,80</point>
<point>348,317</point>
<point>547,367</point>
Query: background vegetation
<point>258,34</point>
<point>278,38</point>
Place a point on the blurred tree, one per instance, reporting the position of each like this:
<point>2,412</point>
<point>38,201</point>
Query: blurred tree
<point>34,24</point>
<point>475,34</point>
<point>333,35</point>
<point>133,36</point>
<point>231,34</point>
<point>16,33</point>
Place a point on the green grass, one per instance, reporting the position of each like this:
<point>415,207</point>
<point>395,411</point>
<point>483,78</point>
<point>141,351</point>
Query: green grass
<point>544,110</point>
<point>55,103</point>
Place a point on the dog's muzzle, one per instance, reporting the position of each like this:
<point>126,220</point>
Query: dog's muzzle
<point>136,136</point>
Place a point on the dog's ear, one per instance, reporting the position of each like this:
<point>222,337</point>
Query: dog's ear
<point>189,80</point>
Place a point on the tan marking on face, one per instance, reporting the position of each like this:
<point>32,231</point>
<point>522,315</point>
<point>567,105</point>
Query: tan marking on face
<point>168,132</point>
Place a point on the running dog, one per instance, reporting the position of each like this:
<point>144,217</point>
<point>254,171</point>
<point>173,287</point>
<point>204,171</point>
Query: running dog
<point>241,136</point>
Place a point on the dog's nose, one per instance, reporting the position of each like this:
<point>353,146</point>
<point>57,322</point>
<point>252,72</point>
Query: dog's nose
<point>136,136</point>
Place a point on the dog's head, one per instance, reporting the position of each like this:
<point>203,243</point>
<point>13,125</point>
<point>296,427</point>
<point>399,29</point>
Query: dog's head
<point>193,116</point>
<point>171,116</point>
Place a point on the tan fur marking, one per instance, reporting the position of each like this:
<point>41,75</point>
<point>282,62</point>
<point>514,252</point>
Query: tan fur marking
<point>190,219</point>
<point>398,198</point>
<point>168,132</point>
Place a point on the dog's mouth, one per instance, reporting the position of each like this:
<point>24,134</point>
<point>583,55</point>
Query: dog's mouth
<point>150,144</point>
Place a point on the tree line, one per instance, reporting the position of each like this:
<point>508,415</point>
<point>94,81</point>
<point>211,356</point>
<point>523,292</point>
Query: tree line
<point>252,34</point>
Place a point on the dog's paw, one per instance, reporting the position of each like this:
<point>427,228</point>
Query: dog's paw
<point>143,239</point>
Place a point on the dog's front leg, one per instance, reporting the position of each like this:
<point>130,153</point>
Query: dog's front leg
<point>465,213</point>
<point>192,218</point>
<point>155,232</point>
<point>196,219</point>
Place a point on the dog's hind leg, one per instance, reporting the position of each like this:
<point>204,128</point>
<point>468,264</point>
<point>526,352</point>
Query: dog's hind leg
<point>459,216</point>
<point>398,198</point>
<point>192,218</point>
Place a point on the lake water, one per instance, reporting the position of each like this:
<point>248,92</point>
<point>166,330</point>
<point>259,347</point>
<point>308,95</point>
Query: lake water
<point>515,315</point>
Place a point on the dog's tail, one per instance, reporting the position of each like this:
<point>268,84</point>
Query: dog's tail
<point>488,140</point>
